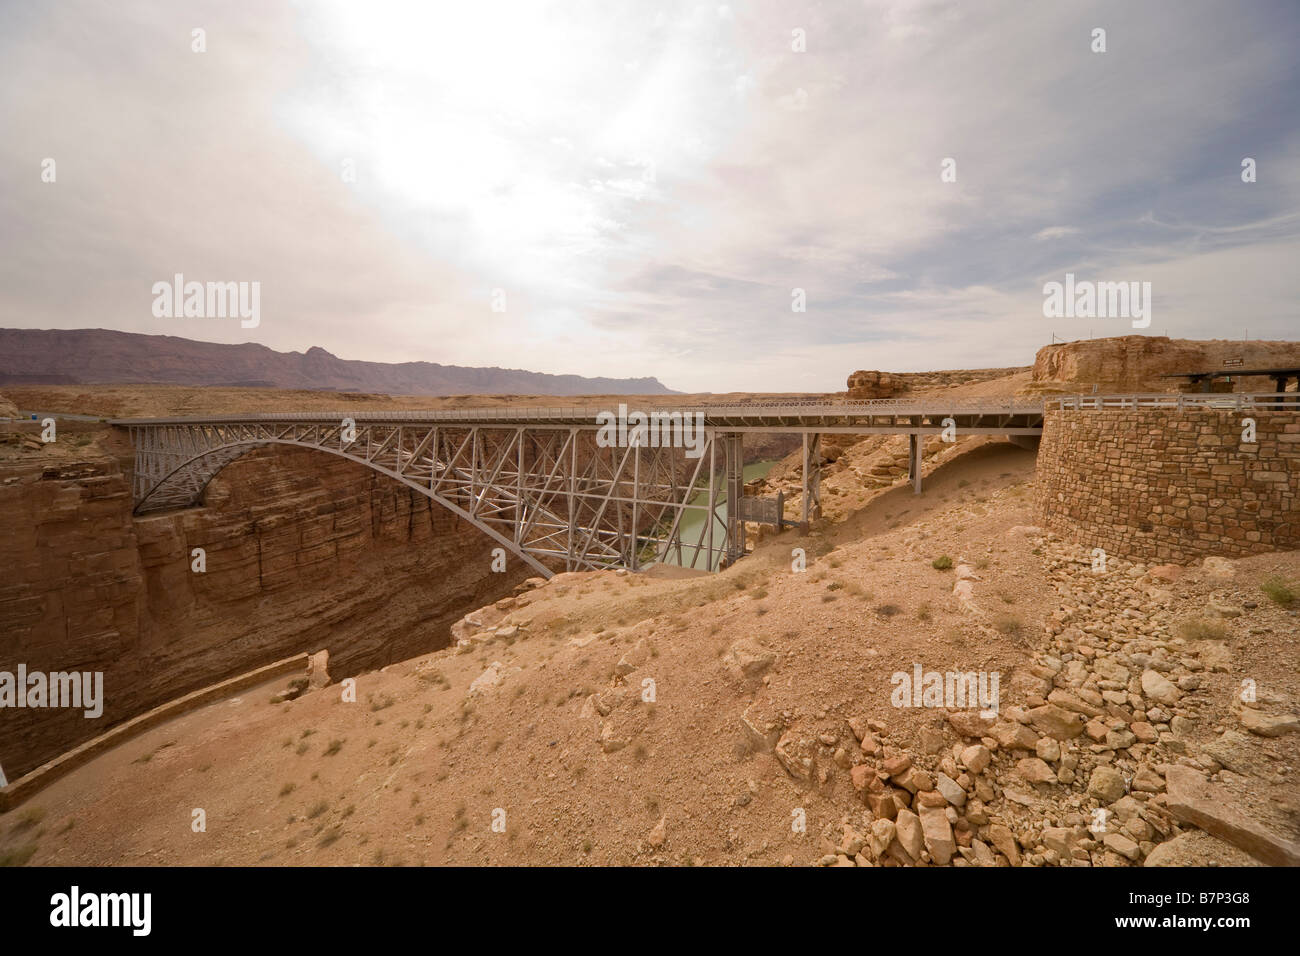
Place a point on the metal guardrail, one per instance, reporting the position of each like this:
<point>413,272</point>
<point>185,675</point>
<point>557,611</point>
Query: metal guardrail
<point>770,410</point>
<point>1287,401</point>
<point>588,413</point>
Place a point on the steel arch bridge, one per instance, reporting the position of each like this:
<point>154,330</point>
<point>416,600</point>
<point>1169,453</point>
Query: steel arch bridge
<point>540,483</point>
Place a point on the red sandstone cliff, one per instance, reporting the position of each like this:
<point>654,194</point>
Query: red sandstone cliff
<point>304,551</point>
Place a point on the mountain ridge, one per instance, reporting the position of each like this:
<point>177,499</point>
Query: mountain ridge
<point>109,357</point>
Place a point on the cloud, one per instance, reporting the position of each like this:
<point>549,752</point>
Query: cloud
<point>651,220</point>
<point>1056,232</point>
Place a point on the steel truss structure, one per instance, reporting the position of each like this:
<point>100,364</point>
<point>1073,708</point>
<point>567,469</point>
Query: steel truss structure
<point>540,483</point>
<point>552,496</point>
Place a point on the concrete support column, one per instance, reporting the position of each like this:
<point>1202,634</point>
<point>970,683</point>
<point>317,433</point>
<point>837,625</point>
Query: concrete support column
<point>734,445</point>
<point>915,449</point>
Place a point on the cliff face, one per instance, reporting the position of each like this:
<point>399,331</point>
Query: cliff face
<point>1136,363</point>
<point>303,551</point>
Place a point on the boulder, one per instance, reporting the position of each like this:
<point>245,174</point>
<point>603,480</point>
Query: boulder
<point>1106,784</point>
<point>749,657</point>
<point>1266,725</point>
<point>1193,799</point>
<point>910,834</point>
<point>938,836</point>
<point>971,723</point>
<point>1005,841</point>
<point>975,758</point>
<point>1157,687</point>
<point>1057,722</point>
<point>1034,770</point>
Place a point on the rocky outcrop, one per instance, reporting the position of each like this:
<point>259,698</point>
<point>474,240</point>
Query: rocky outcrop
<point>1138,363</point>
<point>873,385</point>
<point>866,384</point>
<point>301,552</point>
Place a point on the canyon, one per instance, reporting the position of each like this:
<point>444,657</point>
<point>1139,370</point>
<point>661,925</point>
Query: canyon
<point>769,682</point>
<point>303,552</point>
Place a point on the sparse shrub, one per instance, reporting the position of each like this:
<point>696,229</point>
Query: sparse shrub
<point>888,610</point>
<point>1279,591</point>
<point>18,856</point>
<point>334,747</point>
<point>287,789</point>
<point>941,563</point>
<point>1198,629</point>
<point>317,809</point>
<point>1008,624</point>
<point>923,612</point>
<point>29,819</point>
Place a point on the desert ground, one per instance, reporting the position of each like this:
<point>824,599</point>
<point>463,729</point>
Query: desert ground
<point>738,718</point>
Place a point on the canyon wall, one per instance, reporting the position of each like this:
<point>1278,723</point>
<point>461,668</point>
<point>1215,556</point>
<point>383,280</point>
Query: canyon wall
<point>1156,484</point>
<point>303,551</point>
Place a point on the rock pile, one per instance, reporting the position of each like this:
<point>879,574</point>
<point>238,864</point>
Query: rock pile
<point>1095,765</point>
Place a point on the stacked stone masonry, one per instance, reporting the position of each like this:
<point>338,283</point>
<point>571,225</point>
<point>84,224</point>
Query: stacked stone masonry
<point>1173,485</point>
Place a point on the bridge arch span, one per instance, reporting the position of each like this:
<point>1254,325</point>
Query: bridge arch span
<point>186,483</point>
<point>550,485</point>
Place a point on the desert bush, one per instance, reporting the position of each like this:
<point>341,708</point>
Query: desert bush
<point>1200,629</point>
<point>1279,591</point>
<point>1008,624</point>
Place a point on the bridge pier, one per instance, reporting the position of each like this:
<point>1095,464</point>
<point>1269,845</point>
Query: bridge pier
<point>734,448</point>
<point>812,478</point>
<point>916,449</point>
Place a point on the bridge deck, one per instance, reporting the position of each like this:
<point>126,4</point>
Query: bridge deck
<point>547,484</point>
<point>994,415</point>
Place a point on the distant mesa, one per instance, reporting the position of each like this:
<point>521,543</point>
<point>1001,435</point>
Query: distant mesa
<point>106,357</point>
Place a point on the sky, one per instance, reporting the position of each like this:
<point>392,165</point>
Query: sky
<point>622,188</point>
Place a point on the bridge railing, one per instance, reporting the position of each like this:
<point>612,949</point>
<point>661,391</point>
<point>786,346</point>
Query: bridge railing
<point>510,413</point>
<point>1289,401</point>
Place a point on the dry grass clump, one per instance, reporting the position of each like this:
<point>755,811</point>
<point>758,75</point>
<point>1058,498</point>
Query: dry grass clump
<point>1279,591</point>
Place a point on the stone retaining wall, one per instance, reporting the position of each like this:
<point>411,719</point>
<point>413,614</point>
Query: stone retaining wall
<point>1173,485</point>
